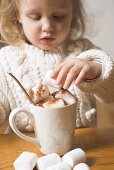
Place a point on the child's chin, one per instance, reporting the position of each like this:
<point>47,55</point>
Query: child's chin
<point>47,48</point>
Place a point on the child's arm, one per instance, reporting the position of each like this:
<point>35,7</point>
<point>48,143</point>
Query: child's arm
<point>93,72</point>
<point>4,102</point>
<point>103,86</point>
<point>4,108</point>
<point>8,97</point>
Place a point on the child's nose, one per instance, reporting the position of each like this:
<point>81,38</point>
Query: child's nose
<point>47,26</point>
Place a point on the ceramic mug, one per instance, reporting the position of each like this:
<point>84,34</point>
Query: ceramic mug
<point>54,127</point>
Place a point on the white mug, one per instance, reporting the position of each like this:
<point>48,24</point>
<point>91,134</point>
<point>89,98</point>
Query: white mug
<point>54,127</point>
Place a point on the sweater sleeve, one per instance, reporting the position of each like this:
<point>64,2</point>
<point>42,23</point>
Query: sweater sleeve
<point>4,102</point>
<point>103,86</point>
<point>78,46</point>
<point>4,108</point>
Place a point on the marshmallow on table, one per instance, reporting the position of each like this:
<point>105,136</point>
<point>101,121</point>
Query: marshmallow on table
<point>81,166</point>
<point>50,81</point>
<point>75,157</point>
<point>38,93</point>
<point>66,96</point>
<point>26,161</point>
<point>44,162</point>
<point>54,103</point>
<point>60,166</point>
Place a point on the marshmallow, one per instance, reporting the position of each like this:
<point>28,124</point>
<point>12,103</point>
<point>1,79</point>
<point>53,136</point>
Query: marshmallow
<point>54,103</point>
<point>90,114</point>
<point>81,166</point>
<point>39,93</point>
<point>66,96</point>
<point>26,161</point>
<point>74,157</point>
<point>44,162</point>
<point>60,166</point>
<point>50,81</point>
<point>50,98</point>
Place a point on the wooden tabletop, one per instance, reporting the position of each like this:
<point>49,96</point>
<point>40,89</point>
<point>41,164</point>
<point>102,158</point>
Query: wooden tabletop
<point>97,143</point>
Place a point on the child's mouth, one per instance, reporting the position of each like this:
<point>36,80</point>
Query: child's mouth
<point>46,40</point>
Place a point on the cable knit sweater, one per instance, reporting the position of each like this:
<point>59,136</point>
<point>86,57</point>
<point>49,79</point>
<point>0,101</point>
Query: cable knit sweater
<point>29,64</point>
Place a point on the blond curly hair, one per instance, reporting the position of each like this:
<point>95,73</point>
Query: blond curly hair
<point>11,30</point>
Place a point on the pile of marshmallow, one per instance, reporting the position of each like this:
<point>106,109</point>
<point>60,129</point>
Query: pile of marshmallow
<point>72,160</point>
<point>42,97</point>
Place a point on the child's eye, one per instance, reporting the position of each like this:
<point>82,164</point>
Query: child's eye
<point>35,17</point>
<point>58,17</point>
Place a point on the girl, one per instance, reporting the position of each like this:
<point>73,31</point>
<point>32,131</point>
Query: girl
<point>44,35</point>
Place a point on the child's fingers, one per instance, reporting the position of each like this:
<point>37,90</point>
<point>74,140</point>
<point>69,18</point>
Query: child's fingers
<point>63,73</point>
<point>81,75</point>
<point>57,70</point>
<point>73,73</point>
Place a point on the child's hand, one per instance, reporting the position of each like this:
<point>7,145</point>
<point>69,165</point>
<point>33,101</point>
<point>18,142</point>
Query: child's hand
<point>76,69</point>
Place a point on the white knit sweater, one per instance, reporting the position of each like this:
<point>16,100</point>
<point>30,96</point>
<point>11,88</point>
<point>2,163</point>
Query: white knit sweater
<point>29,64</point>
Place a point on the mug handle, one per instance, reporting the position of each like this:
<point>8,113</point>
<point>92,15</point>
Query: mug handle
<point>15,129</point>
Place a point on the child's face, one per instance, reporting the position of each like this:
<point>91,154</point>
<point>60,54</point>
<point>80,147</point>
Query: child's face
<point>46,23</point>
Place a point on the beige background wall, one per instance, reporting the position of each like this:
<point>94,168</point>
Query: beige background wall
<point>101,16</point>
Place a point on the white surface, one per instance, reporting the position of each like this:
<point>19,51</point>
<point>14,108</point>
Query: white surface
<point>102,23</point>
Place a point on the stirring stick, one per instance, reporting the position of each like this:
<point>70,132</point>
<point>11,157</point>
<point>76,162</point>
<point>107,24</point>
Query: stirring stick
<point>29,98</point>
